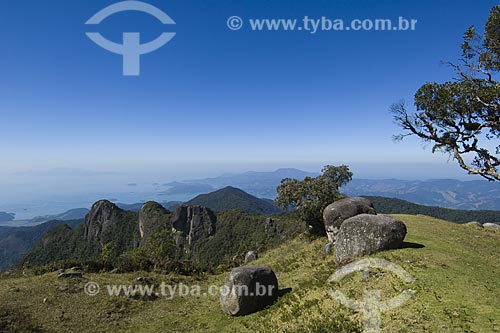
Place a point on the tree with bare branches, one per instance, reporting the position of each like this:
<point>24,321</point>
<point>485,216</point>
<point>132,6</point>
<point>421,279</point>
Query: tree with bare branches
<point>462,117</point>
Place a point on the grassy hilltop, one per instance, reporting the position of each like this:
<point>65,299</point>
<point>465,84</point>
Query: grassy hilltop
<point>457,281</point>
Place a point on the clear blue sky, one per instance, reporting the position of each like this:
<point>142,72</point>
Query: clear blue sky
<point>214,100</point>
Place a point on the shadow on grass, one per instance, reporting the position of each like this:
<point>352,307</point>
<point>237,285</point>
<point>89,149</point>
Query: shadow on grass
<point>283,292</point>
<point>409,245</point>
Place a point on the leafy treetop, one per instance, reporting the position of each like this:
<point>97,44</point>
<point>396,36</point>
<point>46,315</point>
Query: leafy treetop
<point>311,195</point>
<point>462,117</point>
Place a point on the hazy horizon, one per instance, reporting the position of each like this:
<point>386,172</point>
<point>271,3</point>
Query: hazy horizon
<point>53,191</point>
<point>213,100</point>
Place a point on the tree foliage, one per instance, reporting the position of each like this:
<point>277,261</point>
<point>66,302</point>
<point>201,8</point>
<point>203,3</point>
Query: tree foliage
<point>462,117</point>
<point>311,195</point>
<point>159,253</point>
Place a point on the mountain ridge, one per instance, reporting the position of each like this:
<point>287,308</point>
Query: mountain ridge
<point>446,193</point>
<point>230,197</point>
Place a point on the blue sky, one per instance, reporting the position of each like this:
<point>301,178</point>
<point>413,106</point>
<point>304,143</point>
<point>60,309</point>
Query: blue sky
<point>214,100</point>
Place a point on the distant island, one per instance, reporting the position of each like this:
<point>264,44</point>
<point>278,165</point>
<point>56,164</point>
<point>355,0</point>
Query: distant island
<point>7,217</point>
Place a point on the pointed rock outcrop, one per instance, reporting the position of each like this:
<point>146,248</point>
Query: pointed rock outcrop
<point>194,222</point>
<point>102,216</point>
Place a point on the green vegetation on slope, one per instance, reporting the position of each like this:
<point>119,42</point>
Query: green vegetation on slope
<point>397,206</point>
<point>15,242</point>
<point>119,247</point>
<point>63,243</point>
<point>46,242</point>
<point>59,244</point>
<point>238,232</point>
<point>457,281</point>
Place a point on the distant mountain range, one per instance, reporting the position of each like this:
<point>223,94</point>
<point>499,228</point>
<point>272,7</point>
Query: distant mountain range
<point>447,193</point>
<point>259,184</point>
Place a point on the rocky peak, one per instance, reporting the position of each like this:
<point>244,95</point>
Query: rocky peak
<point>152,218</point>
<point>194,222</point>
<point>102,215</point>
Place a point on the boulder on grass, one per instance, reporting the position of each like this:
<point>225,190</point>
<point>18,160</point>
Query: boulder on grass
<point>339,211</point>
<point>492,226</point>
<point>249,289</point>
<point>366,234</point>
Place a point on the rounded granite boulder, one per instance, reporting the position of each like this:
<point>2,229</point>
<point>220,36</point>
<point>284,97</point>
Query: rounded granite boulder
<point>336,213</point>
<point>366,234</point>
<point>249,289</point>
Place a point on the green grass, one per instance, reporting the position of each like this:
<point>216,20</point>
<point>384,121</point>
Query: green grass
<point>457,282</point>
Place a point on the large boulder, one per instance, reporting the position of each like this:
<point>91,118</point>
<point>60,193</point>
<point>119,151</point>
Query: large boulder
<point>366,234</point>
<point>249,289</point>
<point>339,211</point>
